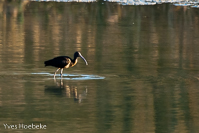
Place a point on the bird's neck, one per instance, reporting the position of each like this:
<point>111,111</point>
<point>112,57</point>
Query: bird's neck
<point>74,61</point>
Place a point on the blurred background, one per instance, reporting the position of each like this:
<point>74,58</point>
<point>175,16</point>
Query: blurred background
<point>143,66</point>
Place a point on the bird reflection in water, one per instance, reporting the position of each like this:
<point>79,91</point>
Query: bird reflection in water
<point>66,90</point>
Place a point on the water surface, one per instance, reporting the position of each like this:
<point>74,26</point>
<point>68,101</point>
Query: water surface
<point>142,74</point>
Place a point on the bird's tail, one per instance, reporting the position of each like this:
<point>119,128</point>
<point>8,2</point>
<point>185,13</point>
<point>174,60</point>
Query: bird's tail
<point>47,63</point>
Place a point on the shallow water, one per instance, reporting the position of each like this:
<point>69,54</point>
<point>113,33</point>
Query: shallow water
<point>142,74</point>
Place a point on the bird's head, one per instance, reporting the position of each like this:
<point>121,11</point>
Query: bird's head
<point>78,54</point>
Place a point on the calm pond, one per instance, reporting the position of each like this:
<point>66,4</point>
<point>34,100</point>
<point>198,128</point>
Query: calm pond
<point>143,72</point>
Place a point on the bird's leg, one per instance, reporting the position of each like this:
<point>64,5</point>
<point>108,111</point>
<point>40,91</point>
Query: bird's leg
<point>61,72</point>
<point>61,82</point>
<point>55,80</point>
<point>56,72</point>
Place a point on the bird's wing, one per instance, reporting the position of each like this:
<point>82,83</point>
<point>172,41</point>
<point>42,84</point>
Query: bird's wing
<point>67,62</point>
<point>62,61</point>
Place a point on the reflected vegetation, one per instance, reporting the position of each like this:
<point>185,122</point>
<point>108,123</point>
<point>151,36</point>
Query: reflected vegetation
<point>46,30</point>
<point>147,54</point>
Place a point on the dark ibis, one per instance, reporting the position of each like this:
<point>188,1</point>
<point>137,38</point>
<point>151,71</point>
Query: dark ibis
<point>62,62</point>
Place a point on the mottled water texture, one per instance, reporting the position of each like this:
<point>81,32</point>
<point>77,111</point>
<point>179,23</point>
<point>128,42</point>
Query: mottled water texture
<point>143,72</point>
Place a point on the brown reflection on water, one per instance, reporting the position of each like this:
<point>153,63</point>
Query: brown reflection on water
<point>56,32</point>
<point>12,36</point>
<point>148,54</point>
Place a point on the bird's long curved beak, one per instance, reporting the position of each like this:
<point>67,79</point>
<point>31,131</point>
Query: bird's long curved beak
<point>84,59</point>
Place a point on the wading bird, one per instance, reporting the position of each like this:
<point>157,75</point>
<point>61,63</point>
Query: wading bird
<point>62,62</point>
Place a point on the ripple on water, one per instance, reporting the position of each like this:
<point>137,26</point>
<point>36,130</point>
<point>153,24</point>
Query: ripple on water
<point>73,76</point>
